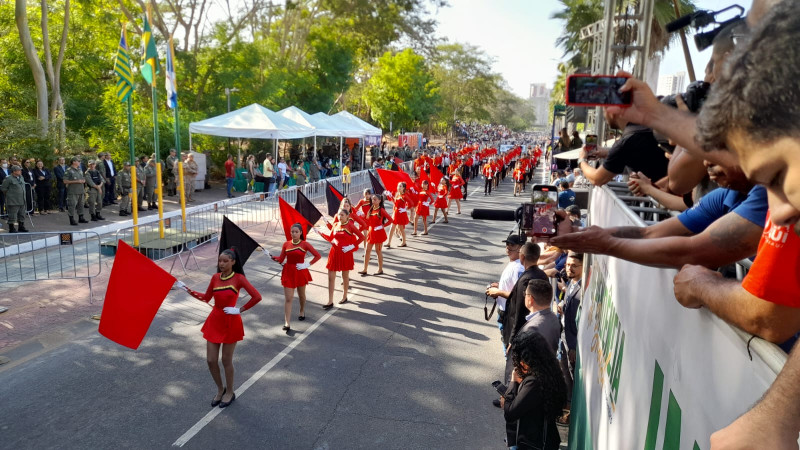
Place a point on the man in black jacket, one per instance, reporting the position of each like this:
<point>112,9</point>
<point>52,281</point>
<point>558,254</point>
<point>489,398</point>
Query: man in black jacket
<point>516,311</point>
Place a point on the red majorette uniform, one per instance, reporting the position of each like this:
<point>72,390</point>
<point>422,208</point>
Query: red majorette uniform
<point>294,254</point>
<point>348,234</point>
<point>221,328</point>
<point>441,199</point>
<point>519,175</point>
<point>363,205</point>
<point>376,218</point>
<point>456,182</point>
<point>422,209</point>
<point>361,222</point>
<point>400,212</point>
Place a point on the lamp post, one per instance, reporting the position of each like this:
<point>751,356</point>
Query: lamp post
<point>228,92</point>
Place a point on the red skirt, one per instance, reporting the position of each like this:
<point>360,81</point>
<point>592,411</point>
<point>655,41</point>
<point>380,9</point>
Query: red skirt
<point>423,211</point>
<point>339,261</point>
<point>293,278</point>
<point>456,194</point>
<point>441,202</point>
<point>221,328</point>
<point>400,218</point>
<point>376,236</point>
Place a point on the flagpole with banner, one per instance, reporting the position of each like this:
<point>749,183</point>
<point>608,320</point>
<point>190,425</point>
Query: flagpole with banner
<point>150,68</point>
<point>172,102</point>
<point>122,68</point>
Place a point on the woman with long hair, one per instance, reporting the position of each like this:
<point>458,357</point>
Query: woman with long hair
<point>441,199</point>
<point>348,206</point>
<point>423,208</point>
<point>536,394</point>
<point>455,194</point>
<point>364,204</point>
<point>377,218</point>
<point>223,327</point>
<point>345,237</point>
<point>399,215</point>
<point>295,273</point>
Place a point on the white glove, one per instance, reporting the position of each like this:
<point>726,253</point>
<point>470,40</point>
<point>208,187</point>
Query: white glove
<point>231,310</point>
<point>379,227</point>
<point>426,203</point>
<point>402,210</point>
<point>179,284</point>
<point>360,213</point>
<point>335,242</point>
<point>348,248</point>
<point>302,266</point>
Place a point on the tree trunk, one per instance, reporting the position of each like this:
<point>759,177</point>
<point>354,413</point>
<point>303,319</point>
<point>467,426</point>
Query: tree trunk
<point>21,17</point>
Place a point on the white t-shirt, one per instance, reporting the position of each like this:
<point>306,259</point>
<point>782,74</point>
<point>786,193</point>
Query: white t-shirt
<point>282,169</point>
<point>508,279</point>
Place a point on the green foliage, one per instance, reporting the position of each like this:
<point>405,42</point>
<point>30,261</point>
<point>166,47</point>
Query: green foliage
<point>403,90</point>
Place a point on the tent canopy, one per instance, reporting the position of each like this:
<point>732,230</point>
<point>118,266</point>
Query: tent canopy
<point>367,129</point>
<point>254,121</point>
<point>346,129</point>
<point>320,122</point>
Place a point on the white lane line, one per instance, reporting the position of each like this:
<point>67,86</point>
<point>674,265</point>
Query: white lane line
<point>256,376</point>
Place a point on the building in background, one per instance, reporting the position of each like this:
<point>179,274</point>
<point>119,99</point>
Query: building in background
<point>671,84</point>
<point>539,96</point>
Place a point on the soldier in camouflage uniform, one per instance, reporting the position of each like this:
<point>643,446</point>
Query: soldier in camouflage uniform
<point>172,176</point>
<point>124,188</point>
<point>13,188</point>
<point>150,184</point>
<point>75,182</point>
<point>141,178</point>
<point>95,181</point>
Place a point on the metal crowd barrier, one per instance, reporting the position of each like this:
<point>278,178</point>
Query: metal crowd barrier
<point>42,256</point>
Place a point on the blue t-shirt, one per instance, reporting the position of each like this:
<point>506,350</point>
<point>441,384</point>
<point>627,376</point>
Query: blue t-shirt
<point>721,201</point>
<point>566,198</point>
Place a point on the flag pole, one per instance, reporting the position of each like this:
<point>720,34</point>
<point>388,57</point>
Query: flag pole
<point>134,198</point>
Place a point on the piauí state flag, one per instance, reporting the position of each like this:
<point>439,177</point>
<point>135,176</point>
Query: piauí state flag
<point>122,67</point>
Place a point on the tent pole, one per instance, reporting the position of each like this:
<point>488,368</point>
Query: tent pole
<point>341,166</point>
<point>363,152</point>
<point>315,148</point>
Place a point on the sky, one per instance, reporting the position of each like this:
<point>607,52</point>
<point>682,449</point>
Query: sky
<point>520,36</point>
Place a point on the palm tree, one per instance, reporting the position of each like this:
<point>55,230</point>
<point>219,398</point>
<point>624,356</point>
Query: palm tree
<point>580,13</point>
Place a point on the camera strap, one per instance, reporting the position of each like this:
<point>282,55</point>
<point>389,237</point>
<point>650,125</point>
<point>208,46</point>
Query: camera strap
<point>488,315</point>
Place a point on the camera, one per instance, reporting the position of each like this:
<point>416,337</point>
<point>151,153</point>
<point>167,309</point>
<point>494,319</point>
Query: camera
<point>537,216</point>
<point>694,97</point>
<point>703,18</point>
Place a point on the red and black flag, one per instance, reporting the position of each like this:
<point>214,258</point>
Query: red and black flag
<point>289,217</point>
<point>233,236</point>
<point>397,164</point>
<point>304,206</point>
<point>377,188</point>
<point>334,199</point>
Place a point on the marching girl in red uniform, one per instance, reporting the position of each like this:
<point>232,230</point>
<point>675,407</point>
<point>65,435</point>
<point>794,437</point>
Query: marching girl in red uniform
<point>295,274</point>
<point>360,221</point>
<point>423,208</point>
<point>223,327</point>
<point>364,204</point>
<point>519,179</point>
<point>377,217</point>
<point>399,215</point>
<point>345,237</point>
<point>441,199</point>
<point>456,182</point>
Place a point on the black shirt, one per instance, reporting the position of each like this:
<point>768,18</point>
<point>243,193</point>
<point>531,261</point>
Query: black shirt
<point>639,150</point>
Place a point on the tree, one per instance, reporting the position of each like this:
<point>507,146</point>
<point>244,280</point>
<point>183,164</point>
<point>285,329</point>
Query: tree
<point>402,89</point>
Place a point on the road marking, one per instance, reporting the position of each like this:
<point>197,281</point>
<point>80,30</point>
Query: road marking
<point>256,376</point>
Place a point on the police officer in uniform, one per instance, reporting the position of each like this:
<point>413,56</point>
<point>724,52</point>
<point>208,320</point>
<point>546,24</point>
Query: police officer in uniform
<point>95,182</point>
<point>171,174</point>
<point>14,189</point>
<point>124,188</point>
<point>150,184</point>
<point>75,182</point>
<point>141,178</point>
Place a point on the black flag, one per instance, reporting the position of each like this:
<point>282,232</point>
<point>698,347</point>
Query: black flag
<point>377,187</point>
<point>307,209</point>
<point>334,198</point>
<point>233,236</point>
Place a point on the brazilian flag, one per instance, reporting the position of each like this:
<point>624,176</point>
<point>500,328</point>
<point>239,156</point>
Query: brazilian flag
<point>150,67</point>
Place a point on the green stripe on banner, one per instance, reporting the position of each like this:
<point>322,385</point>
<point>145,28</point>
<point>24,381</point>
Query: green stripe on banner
<point>672,432</point>
<point>655,409</point>
<point>696,447</point>
<point>580,430</point>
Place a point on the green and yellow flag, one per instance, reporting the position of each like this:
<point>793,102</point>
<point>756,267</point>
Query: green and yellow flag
<point>122,67</point>
<point>150,66</point>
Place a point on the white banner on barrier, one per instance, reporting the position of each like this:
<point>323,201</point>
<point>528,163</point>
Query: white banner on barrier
<point>653,374</point>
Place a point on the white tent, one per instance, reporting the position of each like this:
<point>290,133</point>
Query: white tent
<point>346,128</point>
<point>367,129</point>
<point>254,121</point>
<point>322,124</point>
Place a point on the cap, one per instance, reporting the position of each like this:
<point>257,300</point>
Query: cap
<point>573,209</point>
<point>75,158</point>
<point>91,162</point>
<point>513,239</point>
<point>126,163</point>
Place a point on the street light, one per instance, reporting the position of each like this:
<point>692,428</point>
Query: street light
<point>228,96</point>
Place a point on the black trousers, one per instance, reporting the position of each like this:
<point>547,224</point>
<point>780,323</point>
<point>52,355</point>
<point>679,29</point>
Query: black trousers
<point>487,188</point>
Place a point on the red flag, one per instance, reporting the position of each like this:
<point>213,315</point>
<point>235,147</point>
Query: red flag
<point>391,179</point>
<point>436,176</point>
<point>423,176</point>
<point>289,217</point>
<point>136,288</point>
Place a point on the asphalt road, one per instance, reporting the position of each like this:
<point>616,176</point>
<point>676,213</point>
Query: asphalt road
<point>406,364</point>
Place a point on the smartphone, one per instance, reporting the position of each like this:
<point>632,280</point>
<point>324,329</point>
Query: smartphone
<point>545,203</point>
<point>597,90</point>
<point>590,146</point>
<point>501,388</point>
<point>527,216</point>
